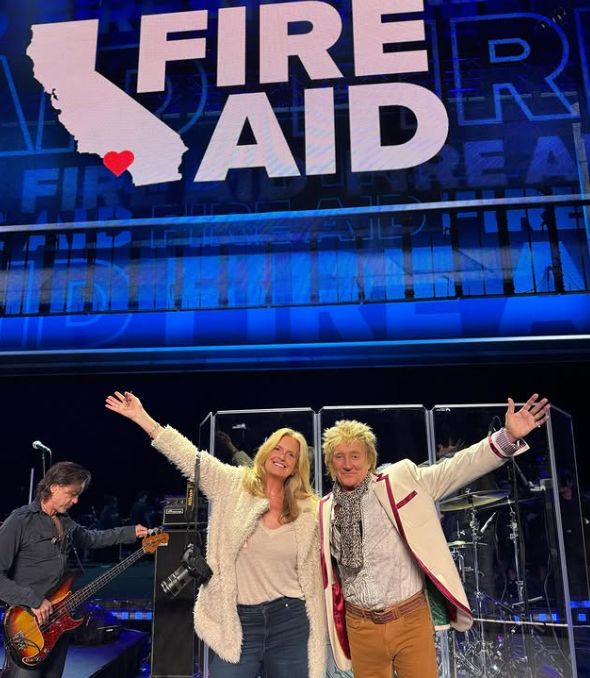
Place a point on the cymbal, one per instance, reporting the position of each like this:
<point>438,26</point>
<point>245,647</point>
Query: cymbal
<point>472,499</point>
<point>460,544</point>
<point>505,501</point>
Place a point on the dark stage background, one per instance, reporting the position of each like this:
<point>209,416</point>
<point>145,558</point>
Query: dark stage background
<point>67,413</point>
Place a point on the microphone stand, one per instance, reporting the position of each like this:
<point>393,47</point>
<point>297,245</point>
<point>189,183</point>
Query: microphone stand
<point>31,484</point>
<point>37,445</point>
<point>40,447</point>
<point>520,563</point>
<point>202,651</point>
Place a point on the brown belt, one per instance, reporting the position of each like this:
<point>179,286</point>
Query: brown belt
<point>396,611</point>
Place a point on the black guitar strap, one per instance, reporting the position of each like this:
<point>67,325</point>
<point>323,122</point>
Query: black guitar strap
<point>194,508</point>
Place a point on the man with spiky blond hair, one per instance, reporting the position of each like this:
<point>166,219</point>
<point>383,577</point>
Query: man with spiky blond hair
<point>383,546</point>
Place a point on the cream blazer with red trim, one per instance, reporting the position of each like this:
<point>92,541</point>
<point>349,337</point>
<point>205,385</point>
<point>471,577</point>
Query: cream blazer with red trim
<point>408,493</point>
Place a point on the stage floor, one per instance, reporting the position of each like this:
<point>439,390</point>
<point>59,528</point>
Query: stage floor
<point>128,657</point>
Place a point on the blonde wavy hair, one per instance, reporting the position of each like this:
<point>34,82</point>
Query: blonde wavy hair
<point>297,486</point>
<point>347,431</point>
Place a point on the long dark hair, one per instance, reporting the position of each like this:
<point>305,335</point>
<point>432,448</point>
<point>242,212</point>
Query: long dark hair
<point>62,473</point>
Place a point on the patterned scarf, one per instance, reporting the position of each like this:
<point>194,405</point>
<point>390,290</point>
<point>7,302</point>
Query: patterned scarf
<point>348,520</point>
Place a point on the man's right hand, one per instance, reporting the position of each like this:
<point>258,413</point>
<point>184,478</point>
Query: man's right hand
<point>43,611</point>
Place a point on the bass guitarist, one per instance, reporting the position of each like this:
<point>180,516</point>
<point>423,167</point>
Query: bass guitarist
<point>35,541</point>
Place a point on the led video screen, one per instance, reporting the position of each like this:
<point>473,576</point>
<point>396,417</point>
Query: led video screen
<point>245,183</point>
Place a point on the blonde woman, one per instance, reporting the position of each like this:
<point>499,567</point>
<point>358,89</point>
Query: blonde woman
<point>262,611</point>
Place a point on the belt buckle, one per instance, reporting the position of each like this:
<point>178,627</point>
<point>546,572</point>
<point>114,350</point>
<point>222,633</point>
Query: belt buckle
<point>378,616</point>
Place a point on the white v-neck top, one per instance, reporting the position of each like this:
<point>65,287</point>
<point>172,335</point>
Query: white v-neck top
<point>266,567</point>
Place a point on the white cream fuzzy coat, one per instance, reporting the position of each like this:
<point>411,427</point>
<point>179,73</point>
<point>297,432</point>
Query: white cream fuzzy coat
<point>234,513</point>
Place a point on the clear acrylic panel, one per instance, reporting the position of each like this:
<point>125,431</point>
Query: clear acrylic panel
<point>204,442</point>
<point>569,497</point>
<point>516,534</point>
<point>402,433</point>
<point>506,537</point>
<point>239,433</point>
<point>205,430</point>
<point>234,436</point>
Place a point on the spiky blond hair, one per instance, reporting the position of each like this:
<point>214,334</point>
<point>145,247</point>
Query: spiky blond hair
<point>347,431</point>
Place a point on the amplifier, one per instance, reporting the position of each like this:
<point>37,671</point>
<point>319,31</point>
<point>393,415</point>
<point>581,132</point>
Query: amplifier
<point>174,512</point>
<point>177,508</point>
<point>173,635</point>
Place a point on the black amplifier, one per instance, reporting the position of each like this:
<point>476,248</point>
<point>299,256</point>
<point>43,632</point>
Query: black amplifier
<point>177,508</point>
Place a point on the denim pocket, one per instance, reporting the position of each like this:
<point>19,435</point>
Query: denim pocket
<point>295,605</point>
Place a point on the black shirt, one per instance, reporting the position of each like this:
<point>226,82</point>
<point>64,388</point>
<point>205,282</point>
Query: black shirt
<point>32,558</point>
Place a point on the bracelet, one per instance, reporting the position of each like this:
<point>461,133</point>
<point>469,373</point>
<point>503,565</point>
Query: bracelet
<point>152,431</point>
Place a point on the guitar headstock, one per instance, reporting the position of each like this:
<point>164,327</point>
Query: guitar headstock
<point>150,543</point>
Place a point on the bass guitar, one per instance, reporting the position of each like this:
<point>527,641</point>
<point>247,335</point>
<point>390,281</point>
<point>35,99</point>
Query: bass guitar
<point>30,643</point>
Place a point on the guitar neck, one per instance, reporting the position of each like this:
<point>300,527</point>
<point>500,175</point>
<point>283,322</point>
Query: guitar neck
<point>86,592</point>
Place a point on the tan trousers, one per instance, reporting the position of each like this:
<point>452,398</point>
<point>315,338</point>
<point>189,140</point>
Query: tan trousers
<point>404,645</point>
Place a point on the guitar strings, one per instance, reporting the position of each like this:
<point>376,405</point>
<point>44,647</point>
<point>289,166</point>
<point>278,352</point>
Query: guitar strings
<point>68,604</point>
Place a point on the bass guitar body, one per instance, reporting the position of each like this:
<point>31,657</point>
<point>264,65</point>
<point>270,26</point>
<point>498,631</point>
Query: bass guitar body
<point>29,643</point>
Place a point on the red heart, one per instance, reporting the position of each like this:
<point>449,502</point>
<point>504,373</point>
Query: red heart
<point>118,162</point>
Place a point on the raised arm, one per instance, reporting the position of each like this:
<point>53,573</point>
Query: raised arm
<point>130,406</point>
<point>214,475</point>
<point>450,475</point>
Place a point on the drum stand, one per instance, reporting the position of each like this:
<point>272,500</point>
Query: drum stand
<point>513,536</point>
<point>483,645</point>
<point>528,662</point>
<point>524,665</point>
<point>521,659</point>
<point>478,656</point>
<point>518,651</point>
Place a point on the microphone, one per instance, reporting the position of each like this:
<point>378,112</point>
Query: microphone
<point>527,483</point>
<point>38,445</point>
<point>544,485</point>
<point>487,522</point>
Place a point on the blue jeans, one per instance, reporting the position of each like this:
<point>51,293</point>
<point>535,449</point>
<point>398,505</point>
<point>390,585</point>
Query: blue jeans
<point>274,643</point>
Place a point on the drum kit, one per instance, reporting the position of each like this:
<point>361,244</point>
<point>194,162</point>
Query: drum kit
<point>484,652</point>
